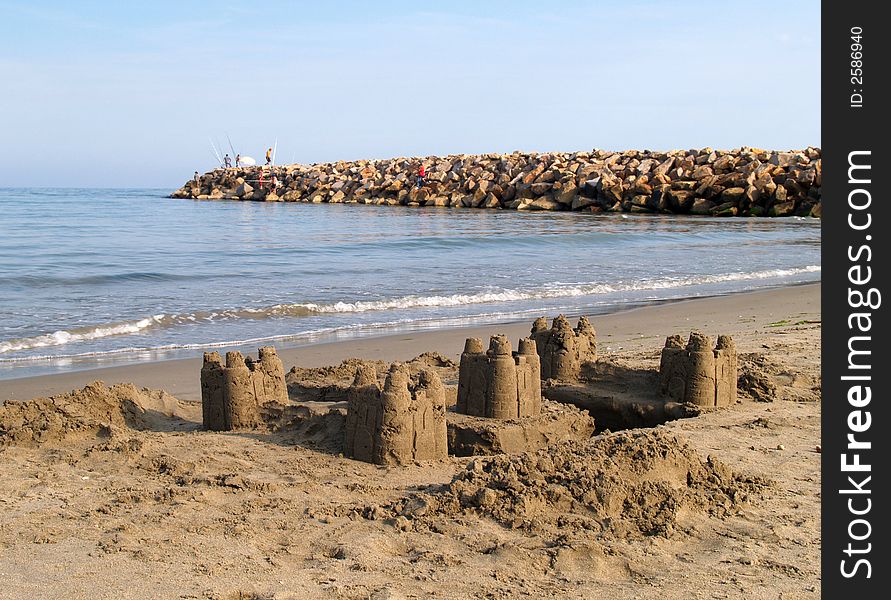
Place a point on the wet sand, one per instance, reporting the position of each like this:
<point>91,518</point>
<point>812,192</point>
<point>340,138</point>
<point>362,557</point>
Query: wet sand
<point>629,329</point>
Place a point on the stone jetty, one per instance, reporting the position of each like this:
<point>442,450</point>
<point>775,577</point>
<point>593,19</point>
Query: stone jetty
<point>741,182</point>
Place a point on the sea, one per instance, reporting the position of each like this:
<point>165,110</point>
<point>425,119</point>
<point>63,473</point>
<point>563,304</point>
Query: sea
<point>101,277</point>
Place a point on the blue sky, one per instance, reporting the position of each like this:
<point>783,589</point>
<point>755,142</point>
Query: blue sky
<point>113,94</point>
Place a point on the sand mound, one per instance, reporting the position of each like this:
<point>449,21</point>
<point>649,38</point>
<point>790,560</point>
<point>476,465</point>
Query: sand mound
<point>434,359</point>
<point>344,372</point>
<point>87,412</point>
<point>330,383</point>
<point>756,378</point>
<point>625,484</point>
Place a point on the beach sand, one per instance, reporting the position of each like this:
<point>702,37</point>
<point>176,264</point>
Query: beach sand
<point>723,505</point>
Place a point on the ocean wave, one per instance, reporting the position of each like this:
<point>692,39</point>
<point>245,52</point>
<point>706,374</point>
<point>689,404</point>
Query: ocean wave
<point>50,281</point>
<point>60,338</point>
<point>509,295</point>
<point>307,334</point>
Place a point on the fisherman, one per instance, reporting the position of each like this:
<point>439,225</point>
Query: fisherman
<point>269,156</point>
<point>237,160</point>
<point>422,173</point>
<point>227,161</point>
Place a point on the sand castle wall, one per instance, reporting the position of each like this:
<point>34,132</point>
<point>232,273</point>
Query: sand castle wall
<point>499,383</point>
<point>563,349</point>
<point>741,182</point>
<point>403,422</point>
<point>232,394</point>
<point>555,423</point>
<point>698,373</point>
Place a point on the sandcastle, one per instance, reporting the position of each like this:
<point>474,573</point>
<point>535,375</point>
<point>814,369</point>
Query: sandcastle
<point>563,349</point>
<point>402,423</point>
<point>697,373</point>
<point>231,395</point>
<point>499,384</point>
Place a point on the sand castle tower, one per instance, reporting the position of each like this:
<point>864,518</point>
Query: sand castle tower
<point>499,384</point>
<point>562,349</point>
<point>697,373</point>
<point>231,395</point>
<point>402,423</point>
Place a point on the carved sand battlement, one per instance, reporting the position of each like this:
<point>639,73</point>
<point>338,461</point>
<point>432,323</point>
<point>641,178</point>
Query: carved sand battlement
<point>563,349</point>
<point>231,395</point>
<point>402,423</point>
<point>697,373</point>
<point>499,383</point>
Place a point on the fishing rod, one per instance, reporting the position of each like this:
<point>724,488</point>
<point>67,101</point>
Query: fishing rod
<point>215,153</point>
<point>220,146</point>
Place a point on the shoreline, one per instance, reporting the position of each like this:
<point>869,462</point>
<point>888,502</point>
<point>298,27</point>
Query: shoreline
<point>643,327</point>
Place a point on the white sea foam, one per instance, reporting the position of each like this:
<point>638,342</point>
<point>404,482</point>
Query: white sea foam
<point>555,291</point>
<point>563,291</point>
<point>60,338</point>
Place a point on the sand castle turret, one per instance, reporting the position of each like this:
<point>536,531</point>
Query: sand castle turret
<point>213,412</point>
<point>562,349</point>
<point>231,395</point>
<point>402,423</point>
<point>697,373</point>
<point>499,383</point>
<point>364,414</point>
<point>726,371</point>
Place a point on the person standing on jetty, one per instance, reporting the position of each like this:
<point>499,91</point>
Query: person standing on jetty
<point>227,161</point>
<point>197,178</point>
<point>422,173</point>
<point>269,156</point>
<point>237,160</point>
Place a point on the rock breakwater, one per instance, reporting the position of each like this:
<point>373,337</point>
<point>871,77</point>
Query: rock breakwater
<point>741,182</point>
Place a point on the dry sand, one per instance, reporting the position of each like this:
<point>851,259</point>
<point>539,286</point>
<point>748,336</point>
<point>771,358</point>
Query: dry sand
<point>115,493</point>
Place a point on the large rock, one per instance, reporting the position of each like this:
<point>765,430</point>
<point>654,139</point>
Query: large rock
<point>702,207</point>
<point>782,209</point>
<point>734,194</point>
<point>567,194</point>
<point>545,203</point>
